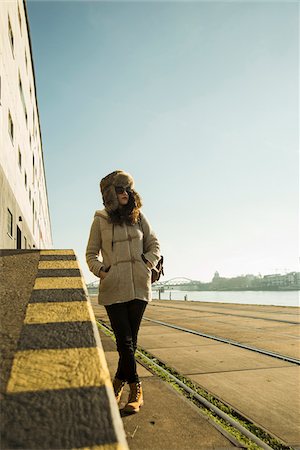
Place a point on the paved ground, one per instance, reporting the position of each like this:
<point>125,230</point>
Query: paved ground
<point>262,388</point>
<point>167,420</point>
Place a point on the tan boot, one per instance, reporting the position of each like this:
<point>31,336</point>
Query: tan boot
<point>118,386</point>
<point>135,399</point>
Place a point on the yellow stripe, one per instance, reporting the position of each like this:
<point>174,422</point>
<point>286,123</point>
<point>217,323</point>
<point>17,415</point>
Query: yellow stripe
<point>62,264</point>
<point>58,283</point>
<point>115,446</point>
<point>36,370</point>
<point>57,312</point>
<point>57,252</point>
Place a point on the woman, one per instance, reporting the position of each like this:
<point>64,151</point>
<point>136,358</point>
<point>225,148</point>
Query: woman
<point>129,250</point>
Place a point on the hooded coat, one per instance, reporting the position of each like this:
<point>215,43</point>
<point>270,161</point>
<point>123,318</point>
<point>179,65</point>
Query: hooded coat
<point>121,250</point>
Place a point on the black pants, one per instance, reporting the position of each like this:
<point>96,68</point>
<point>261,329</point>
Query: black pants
<point>125,319</point>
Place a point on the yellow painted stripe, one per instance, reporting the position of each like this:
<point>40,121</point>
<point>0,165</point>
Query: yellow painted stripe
<point>58,283</point>
<point>115,446</point>
<point>37,370</point>
<point>63,264</point>
<point>57,312</point>
<point>57,252</point>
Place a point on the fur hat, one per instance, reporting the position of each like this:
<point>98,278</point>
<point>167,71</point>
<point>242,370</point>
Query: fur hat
<point>107,187</point>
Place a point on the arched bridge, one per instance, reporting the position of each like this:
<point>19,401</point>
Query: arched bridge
<point>178,283</point>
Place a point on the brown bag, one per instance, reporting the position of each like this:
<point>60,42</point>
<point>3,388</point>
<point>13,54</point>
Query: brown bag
<point>158,270</point>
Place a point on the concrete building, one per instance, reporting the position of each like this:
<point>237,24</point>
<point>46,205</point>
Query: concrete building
<point>24,209</point>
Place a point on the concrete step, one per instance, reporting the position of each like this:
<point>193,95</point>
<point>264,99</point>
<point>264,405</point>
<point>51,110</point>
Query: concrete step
<point>56,391</point>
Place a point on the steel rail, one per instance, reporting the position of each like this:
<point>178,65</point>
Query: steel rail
<point>210,406</point>
<point>228,341</point>
<point>227,314</point>
<point>204,401</point>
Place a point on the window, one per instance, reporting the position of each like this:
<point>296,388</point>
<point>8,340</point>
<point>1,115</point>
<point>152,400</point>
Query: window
<point>9,223</point>
<point>20,159</point>
<point>10,127</point>
<point>23,98</point>
<point>33,169</point>
<point>25,180</point>
<point>26,63</point>
<point>33,230</point>
<point>29,195</point>
<point>11,36</point>
<point>20,19</point>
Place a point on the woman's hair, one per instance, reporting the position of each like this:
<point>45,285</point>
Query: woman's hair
<point>129,213</point>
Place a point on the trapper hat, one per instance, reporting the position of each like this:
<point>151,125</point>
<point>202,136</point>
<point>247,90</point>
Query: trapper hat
<point>107,187</point>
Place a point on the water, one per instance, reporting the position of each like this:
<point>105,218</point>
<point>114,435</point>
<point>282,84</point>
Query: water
<point>277,298</point>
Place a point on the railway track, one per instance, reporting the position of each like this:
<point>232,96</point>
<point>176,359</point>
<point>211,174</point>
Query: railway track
<point>227,341</point>
<point>228,314</point>
<point>262,438</point>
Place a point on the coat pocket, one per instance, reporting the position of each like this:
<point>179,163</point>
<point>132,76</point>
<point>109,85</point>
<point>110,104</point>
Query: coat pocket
<point>110,282</point>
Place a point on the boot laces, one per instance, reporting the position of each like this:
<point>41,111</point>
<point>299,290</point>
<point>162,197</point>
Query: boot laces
<point>134,393</point>
<point>118,386</point>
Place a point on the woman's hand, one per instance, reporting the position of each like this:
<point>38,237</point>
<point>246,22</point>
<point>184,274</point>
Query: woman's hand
<point>102,274</point>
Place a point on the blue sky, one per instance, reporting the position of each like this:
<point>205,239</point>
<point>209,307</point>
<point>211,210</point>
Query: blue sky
<point>198,101</point>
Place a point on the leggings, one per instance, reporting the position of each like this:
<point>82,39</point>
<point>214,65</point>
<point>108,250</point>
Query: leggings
<point>125,319</point>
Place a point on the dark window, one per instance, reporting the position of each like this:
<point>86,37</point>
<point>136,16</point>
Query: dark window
<point>20,19</point>
<point>10,127</point>
<point>25,180</point>
<point>11,36</point>
<point>20,159</point>
<point>19,238</point>
<point>23,98</point>
<point>9,222</point>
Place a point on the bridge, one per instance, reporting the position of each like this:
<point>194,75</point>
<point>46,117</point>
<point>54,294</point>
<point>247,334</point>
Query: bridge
<point>177,283</point>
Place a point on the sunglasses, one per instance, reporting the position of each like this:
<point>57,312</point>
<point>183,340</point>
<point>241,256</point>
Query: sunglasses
<point>121,189</point>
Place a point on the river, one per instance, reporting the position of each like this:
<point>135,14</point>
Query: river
<point>277,298</point>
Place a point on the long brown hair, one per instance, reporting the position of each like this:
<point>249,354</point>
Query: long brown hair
<point>129,213</point>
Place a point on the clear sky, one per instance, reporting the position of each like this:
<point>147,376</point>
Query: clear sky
<point>198,101</point>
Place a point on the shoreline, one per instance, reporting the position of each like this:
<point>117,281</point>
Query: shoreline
<point>94,298</point>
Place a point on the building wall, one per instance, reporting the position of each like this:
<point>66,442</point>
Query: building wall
<point>22,175</point>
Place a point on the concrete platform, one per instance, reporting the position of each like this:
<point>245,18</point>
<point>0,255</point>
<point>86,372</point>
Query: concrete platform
<point>269,397</point>
<point>262,388</point>
<point>167,420</point>
<point>279,337</point>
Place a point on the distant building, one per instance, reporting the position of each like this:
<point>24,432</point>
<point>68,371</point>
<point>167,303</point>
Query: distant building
<point>24,209</point>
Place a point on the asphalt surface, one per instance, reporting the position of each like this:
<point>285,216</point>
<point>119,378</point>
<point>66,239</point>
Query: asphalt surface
<point>17,276</point>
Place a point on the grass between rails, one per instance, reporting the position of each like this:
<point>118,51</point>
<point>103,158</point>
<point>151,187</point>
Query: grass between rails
<point>257,431</point>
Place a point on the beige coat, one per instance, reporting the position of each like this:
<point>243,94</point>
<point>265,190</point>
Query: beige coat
<point>120,248</point>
